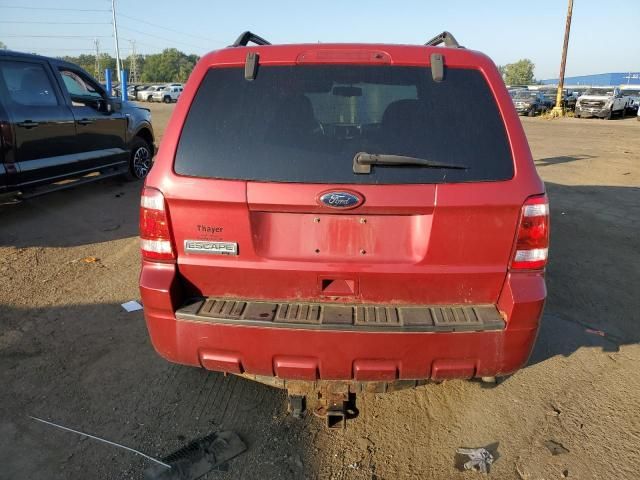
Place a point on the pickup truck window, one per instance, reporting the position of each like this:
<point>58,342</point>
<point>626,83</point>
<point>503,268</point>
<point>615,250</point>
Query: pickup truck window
<point>604,92</point>
<point>28,84</point>
<point>81,91</point>
<point>525,95</point>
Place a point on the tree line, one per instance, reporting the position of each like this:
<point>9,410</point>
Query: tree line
<point>518,73</point>
<point>171,65</point>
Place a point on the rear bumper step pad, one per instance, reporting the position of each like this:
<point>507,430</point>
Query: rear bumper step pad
<point>333,316</point>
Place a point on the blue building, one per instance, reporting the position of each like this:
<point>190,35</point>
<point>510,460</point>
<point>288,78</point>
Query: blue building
<point>604,79</point>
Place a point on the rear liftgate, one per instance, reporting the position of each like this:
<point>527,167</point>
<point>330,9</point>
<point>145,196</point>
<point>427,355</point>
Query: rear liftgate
<point>335,400</point>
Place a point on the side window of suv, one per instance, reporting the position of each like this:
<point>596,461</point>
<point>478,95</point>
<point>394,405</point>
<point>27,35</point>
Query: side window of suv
<point>28,84</point>
<point>82,91</point>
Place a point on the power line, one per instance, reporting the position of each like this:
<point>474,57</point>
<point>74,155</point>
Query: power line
<point>165,28</point>
<point>53,49</point>
<point>54,23</point>
<point>159,37</point>
<point>154,48</point>
<point>57,36</point>
<point>138,42</point>
<point>19,7</point>
<point>37,22</point>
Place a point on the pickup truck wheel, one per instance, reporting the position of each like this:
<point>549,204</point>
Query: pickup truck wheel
<point>531,112</point>
<point>141,159</point>
<point>166,99</point>
<point>149,98</point>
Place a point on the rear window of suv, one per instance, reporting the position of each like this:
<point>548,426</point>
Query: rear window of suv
<point>306,124</point>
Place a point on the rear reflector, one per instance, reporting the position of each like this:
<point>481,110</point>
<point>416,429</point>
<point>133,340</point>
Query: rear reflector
<point>155,233</point>
<point>532,246</point>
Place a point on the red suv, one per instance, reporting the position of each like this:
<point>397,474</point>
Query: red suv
<point>346,216</point>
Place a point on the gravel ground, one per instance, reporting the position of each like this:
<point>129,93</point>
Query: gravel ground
<point>69,353</point>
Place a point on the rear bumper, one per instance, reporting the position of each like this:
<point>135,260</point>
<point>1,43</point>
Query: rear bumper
<point>307,354</point>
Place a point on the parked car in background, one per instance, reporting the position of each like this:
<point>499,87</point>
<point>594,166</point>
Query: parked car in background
<point>132,91</point>
<point>58,124</point>
<point>579,90</point>
<point>300,229</point>
<point>167,94</point>
<point>146,94</point>
<point>632,94</point>
<point>517,87</point>
<point>531,102</point>
<point>514,91</point>
<point>550,97</point>
<point>601,102</point>
<point>568,98</point>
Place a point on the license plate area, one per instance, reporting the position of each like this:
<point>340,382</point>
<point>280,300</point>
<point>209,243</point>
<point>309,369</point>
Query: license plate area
<point>340,237</point>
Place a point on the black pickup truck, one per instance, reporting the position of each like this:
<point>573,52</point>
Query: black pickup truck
<point>58,127</point>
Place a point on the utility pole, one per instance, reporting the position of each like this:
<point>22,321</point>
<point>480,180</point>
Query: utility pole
<point>134,63</point>
<point>558,110</point>
<point>115,35</point>
<point>96,42</point>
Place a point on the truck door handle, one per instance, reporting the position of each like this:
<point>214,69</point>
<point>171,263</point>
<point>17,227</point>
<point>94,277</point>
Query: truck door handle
<point>27,124</point>
<point>85,121</point>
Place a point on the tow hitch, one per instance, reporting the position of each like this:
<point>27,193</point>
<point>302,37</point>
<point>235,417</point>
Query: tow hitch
<point>333,410</point>
<point>337,409</point>
<point>333,400</point>
<point>335,405</point>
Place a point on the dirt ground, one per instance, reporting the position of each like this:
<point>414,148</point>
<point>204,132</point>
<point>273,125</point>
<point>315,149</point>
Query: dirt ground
<point>69,353</point>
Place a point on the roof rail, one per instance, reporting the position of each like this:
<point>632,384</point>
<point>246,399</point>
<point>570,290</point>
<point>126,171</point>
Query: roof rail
<point>444,37</point>
<point>246,37</point>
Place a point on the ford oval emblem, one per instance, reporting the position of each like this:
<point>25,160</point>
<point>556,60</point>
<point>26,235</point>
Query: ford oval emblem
<point>340,199</point>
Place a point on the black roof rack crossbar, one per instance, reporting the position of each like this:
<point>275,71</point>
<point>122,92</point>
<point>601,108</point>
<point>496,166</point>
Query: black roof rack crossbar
<point>444,37</point>
<point>246,37</point>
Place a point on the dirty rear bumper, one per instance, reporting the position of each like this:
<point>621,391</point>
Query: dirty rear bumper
<point>314,354</point>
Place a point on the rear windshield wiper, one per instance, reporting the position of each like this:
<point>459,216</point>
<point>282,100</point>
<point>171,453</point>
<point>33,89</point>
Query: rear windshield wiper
<point>362,162</point>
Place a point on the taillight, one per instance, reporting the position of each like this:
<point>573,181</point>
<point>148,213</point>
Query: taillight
<point>532,246</point>
<point>155,235</point>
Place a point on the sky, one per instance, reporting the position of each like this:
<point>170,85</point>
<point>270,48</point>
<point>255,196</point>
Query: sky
<point>604,37</point>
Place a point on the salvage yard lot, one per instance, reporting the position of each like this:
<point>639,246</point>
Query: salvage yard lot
<point>69,353</point>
